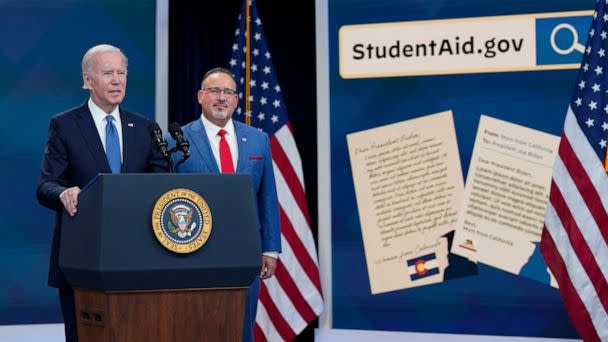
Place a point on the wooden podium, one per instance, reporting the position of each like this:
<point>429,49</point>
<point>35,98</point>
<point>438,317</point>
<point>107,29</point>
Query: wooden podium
<point>128,287</point>
<point>180,315</point>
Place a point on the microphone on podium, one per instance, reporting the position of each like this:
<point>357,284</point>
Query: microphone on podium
<point>181,143</point>
<point>161,143</point>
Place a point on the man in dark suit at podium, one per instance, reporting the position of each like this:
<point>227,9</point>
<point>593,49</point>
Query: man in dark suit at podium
<point>97,137</point>
<point>221,145</point>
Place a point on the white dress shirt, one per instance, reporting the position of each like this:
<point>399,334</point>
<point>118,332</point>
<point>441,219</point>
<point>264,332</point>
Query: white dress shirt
<point>99,117</point>
<point>214,140</point>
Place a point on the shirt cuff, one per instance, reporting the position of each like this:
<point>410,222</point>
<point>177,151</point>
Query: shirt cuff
<point>62,193</point>
<point>271,254</point>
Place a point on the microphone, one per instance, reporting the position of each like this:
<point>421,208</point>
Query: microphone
<point>159,141</point>
<point>181,143</point>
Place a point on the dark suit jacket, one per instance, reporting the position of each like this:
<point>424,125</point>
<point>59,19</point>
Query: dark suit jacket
<point>254,159</point>
<point>74,155</point>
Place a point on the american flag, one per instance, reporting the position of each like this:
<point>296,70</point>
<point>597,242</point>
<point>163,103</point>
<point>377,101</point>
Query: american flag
<point>292,298</point>
<point>576,224</point>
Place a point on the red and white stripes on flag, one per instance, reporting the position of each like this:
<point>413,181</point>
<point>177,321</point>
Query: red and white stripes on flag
<point>575,235</point>
<point>291,299</point>
<point>576,230</point>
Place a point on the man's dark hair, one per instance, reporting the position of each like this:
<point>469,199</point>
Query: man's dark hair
<point>216,71</point>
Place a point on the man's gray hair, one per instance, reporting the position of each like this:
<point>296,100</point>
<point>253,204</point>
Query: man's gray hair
<point>87,59</point>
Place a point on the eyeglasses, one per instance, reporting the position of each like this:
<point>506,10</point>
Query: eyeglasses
<point>217,91</point>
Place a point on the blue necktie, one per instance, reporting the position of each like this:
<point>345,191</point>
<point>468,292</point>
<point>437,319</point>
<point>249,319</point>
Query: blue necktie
<point>112,145</point>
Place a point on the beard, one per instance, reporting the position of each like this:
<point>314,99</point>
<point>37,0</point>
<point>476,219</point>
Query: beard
<point>219,115</point>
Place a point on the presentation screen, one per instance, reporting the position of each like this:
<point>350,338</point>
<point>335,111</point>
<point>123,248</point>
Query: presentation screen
<point>444,121</point>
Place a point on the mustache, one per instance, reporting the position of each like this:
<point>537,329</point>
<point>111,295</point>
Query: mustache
<point>221,102</point>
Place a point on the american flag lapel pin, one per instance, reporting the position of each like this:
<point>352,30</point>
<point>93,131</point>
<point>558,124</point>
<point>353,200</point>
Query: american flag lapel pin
<point>243,139</point>
<point>130,124</point>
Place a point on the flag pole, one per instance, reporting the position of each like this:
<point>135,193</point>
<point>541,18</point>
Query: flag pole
<point>247,64</point>
<point>301,285</point>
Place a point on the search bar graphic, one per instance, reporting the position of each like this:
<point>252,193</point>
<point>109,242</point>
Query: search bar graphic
<point>522,42</point>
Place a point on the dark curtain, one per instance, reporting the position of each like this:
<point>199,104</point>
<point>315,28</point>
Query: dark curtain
<point>200,37</point>
<point>201,34</point>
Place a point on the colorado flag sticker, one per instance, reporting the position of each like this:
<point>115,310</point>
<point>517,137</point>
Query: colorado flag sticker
<point>423,266</point>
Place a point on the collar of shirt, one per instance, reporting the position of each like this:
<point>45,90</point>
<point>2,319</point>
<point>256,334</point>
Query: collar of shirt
<point>99,117</point>
<point>214,139</point>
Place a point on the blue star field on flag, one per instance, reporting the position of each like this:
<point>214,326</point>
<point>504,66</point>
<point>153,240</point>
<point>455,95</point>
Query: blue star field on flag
<point>589,98</point>
<point>267,105</point>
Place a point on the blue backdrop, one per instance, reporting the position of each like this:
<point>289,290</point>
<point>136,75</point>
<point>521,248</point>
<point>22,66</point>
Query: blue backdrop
<point>492,302</point>
<point>42,47</point>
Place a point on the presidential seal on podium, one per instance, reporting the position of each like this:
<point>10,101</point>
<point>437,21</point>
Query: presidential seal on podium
<point>181,221</point>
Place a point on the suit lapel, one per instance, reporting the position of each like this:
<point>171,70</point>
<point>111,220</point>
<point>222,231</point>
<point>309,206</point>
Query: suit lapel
<point>242,141</point>
<point>128,140</point>
<point>91,137</point>
<point>198,136</point>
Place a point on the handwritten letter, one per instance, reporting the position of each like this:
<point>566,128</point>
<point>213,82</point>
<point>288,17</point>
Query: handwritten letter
<point>408,184</point>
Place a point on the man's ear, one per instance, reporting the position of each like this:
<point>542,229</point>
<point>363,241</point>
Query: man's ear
<point>86,79</point>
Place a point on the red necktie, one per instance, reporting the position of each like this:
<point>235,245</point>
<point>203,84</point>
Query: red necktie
<point>225,156</point>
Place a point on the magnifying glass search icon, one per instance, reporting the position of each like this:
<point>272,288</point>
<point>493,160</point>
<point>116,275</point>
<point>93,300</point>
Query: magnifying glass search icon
<point>575,44</point>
